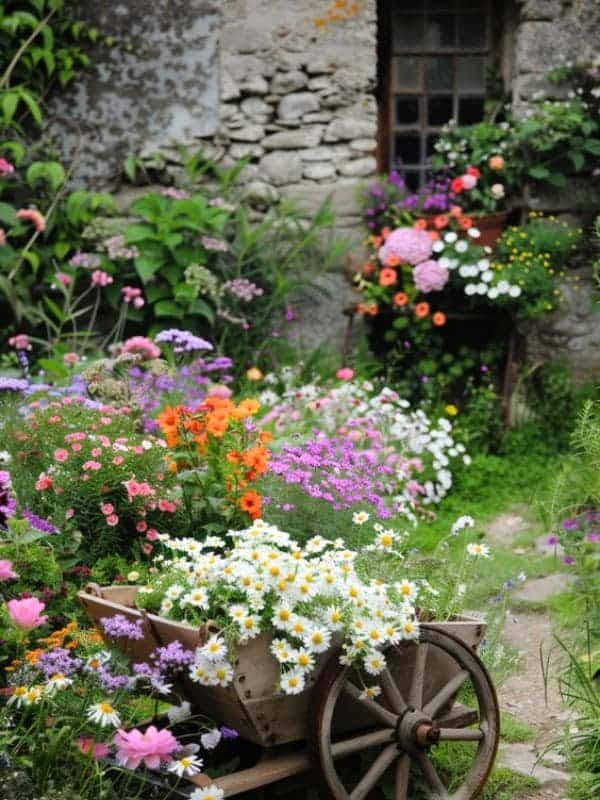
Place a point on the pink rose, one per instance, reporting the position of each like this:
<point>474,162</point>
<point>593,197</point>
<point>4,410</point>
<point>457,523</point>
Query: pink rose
<point>112,520</point>
<point>6,570</point>
<point>26,613</point>
<point>345,374</point>
<point>430,277</point>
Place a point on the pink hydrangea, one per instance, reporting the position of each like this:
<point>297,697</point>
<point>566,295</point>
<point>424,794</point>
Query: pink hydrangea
<point>408,245</point>
<point>430,277</point>
<point>151,747</point>
<point>142,345</point>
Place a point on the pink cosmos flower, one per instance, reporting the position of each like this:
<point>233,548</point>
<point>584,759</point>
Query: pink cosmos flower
<point>408,245</point>
<point>60,454</point>
<point>141,526</point>
<point>430,277</point>
<point>34,216</point>
<point>76,447</point>
<point>112,520</point>
<point>99,749</point>
<point>6,570</point>
<point>20,342</point>
<point>6,168</point>
<point>26,613</point>
<point>96,451</point>
<point>345,374</point>
<point>151,747</point>
<point>118,460</point>
<point>93,465</point>
<point>147,548</point>
<point>142,345</point>
<point>101,278</point>
<point>152,534</point>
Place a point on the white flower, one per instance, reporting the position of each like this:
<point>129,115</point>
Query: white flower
<point>221,674</point>
<point>211,792</point>
<point>97,660</point>
<point>438,246</point>
<point>450,237</point>
<point>409,629</point>
<point>514,291</point>
<point>303,660</point>
<point>179,713</point>
<point>470,289</point>
<point>198,598</point>
<point>493,293</point>
<point>407,589</point>
<point>317,640</point>
<point>487,275</point>
<point>461,523</point>
<point>461,246</point>
<point>133,576</point>
<point>293,682</point>
<point>215,648</point>
<point>360,517</point>
<point>57,681</point>
<point>369,692</point>
<point>103,714</point>
<point>186,765</point>
<point>333,616</point>
<point>374,663</point>
<point>474,233</point>
<point>497,191</point>
<point>210,739</point>
<point>478,550</point>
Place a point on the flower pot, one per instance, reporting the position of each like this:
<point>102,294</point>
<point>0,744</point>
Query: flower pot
<point>491,227</point>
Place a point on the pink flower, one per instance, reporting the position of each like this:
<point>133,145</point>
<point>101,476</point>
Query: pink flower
<point>61,454</point>
<point>99,749</point>
<point>96,451</point>
<point>219,390</point>
<point>118,460</point>
<point>76,447</point>
<point>101,278</point>
<point>2,237</point>
<point>151,747</point>
<point>147,548</point>
<point>6,570</point>
<point>112,520</point>
<point>151,534</point>
<point>130,293</point>
<point>167,506</point>
<point>469,181</point>
<point>142,345</point>
<point>107,508</point>
<point>139,302</point>
<point>70,359</point>
<point>63,278</point>
<point>407,245</point>
<point>141,526</point>
<point>430,277</point>
<point>345,374</point>
<point>26,613</point>
<point>93,465</point>
<point>34,216</point>
<point>43,482</point>
<point>20,342</point>
<point>6,168</point>
<point>70,512</point>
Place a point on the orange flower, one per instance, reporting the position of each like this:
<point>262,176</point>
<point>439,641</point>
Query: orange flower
<point>372,309</point>
<point>441,221</point>
<point>421,310</point>
<point>368,268</point>
<point>400,299</point>
<point>265,437</point>
<point>254,374</point>
<point>216,426</point>
<point>376,241</point>
<point>496,163</point>
<point>385,232</point>
<point>247,408</point>
<point>455,211</point>
<point>387,277</point>
<point>251,503</point>
<point>256,458</point>
<point>439,319</point>
<point>234,457</point>
<point>465,223</point>
<point>420,224</point>
<point>433,235</point>
<point>392,261</point>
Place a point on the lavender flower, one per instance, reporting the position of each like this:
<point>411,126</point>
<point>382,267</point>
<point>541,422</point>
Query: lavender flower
<point>86,260</point>
<point>243,289</point>
<point>38,523</point>
<point>182,341</point>
<point>118,627</point>
<point>228,733</point>
<point>58,660</point>
<point>112,683</point>
<point>13,384</point>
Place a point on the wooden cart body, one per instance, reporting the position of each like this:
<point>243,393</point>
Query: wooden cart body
<point>250,704</point>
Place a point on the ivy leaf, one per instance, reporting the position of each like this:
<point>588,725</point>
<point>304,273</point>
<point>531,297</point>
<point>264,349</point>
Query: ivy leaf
<point>50,171</point>
<point>592,146</point>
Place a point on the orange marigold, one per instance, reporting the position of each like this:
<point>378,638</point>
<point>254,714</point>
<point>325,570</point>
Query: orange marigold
<point>256,458</point>
<point>465,223</point>
<point>400,299</point>
<point>387,277</point>
<point>247,408</point>
<point>392,261</point>
<point>441,221</point>
<point>439,319</point>
<point>455,211</point>
<point>421,310</point>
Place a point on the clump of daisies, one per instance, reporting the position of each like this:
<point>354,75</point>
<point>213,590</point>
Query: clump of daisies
<point>307,599</point>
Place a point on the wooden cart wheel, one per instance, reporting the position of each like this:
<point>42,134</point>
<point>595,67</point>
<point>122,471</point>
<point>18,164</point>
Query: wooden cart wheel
<point>404,725</point>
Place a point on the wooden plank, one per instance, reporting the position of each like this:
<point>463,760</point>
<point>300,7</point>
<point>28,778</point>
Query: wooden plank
<point>269,771</point>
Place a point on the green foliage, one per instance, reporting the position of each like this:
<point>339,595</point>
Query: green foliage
<point>515,730</point>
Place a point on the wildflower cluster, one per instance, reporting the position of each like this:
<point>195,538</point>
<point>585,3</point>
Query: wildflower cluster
<point>306,598</point>
<point>219,453</point>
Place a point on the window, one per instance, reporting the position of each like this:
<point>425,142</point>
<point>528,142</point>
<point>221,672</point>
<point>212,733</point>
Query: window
<point>433,56</point>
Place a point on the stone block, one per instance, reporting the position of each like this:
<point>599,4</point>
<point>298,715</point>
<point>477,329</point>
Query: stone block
<point>286,82</point>
<point>318,116</point>
<point>254,106</point>
<point>249,133</point>
<point>260,193</point>
<point>319,170</point>
<point>541,10</point>
<point>297,104</point>
<point>363,145</point>
<point>343,129</point>
<point>360,167</point>
<point>344,196</point>
<point>320,66</point>
<point>539,46</point>
<point>281,167</point>
<point>229,88</point>
<point>238,151</point>
<point>242,38</point>
<point>294,139</point>
<point>254,84</point>
<point>318,154</point>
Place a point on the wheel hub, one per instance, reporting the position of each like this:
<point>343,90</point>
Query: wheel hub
<point>416,731</point>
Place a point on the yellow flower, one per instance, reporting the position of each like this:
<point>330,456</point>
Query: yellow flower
<point>254,374</point>
<point>451,410</point>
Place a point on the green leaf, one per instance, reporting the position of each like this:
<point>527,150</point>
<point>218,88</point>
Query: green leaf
<point>54,309</point>
<point>50,171</point>
<point>168,308</point>
<point>32,105</point>
<point>539,173</point>
<point>157,291</point>
<point>130,168</point>
<point>557,179</point>
<point>147,266</point>
<point>53,366</point>
<point>10,101</point>
<point>578,160</point>
<point>34,260</point>
<point>61,249</point>
<point>138,233</point>
<point>202,308</point>
<point>592,146</point>
<point>8,215</point>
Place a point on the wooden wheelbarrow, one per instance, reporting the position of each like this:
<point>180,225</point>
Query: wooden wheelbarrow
<point>330,722</point>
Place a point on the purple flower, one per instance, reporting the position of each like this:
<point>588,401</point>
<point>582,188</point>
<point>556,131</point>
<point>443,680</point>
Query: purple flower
<point>13,384</point>
<point>58,660</point>
<point>593,536</point>
<point>38,523</point>
<point>570,524</point>
<point>182,341</point>
<point>552,540</point>
<point>228,733</point>
<point>211,243</point>
<point>569,560</point>
<point>119,627</point>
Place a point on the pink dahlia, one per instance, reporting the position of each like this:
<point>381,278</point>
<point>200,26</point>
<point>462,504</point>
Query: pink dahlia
<point>152,747</point>
<point>142,345</point>
<point>430,277</point>
<point>408,245</point>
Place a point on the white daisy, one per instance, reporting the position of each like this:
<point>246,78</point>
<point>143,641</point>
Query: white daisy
<point>360,517</point>
<point>103,714</point>
<point>293,682</point>
<point>186,765</point>
<point>215,648</point>
<point>211,792</point>
<point>369,692</point>
<point>478,550</point>
<point>374,663</point>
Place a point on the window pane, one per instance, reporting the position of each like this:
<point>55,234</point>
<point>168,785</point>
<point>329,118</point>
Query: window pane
<point>439,110</point>
<point>472,30</point>
<point>470,110</point>
<point>439,73</point>
<point>441,5</point>
<point>440,31</point>
<point>407,148</point>
<point>408,30</point>
<point>407,73</point>
<point>470,73</point>
<point>407,110</point>
<point>412,180</point>
<point>431,140</point>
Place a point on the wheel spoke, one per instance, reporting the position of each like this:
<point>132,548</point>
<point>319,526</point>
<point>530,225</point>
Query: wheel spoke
<point>392,693</point>
<point>402,770</point>
<point>459,716</point>
<point>431,776</point>
<point>382,714</point>
<point>445,693</point>
<point>348,746</point>
<point>375,771</point>
<point>460,735</point>
<point>415,696</point>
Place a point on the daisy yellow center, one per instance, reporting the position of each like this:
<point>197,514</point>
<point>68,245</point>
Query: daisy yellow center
<point>221,673</point>
<point>284,614</point>
<point>335,616</point>
<point>405,589</point>
<point>186,762</point>
<point>317,638</point>
<point>58,677</point>
<point>20,691</point>
<point>386,540</point>
<point>214,647</point>
<point>294,681</point>
<point>94,663</point>
<point>303,660</point>
<point>248,624</point>
<point>408,627</point>
<point>106,708</point>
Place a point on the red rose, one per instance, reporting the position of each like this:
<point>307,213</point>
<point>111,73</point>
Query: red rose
<point>457,185</point>
<point>474,172</point>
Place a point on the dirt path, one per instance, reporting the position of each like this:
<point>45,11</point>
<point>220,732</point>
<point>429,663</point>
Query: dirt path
<point>526,694</point>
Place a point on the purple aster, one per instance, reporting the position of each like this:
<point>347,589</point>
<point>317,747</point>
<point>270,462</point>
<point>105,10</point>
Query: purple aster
<point>58,660</point>
<point>552,540</point>
<point>38,523</point>
<point>593,536</point>
<point>13,384</point>
<point>568,560</point>
<point>182,341</point>
<point>118,627</point>
<point>570,524</point>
